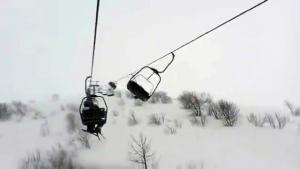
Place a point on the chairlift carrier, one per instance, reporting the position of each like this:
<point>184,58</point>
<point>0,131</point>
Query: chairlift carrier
<point>92,114</point>
<point>138,90</point>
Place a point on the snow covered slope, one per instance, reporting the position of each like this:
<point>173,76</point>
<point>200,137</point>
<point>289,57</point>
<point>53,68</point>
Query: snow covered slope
<point>213,146</point>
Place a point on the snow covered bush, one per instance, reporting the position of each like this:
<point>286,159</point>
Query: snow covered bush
<point>229,112</point>
<point>170,129</point>
<point>198,120</point>
<point>178,123</point>
<point>157,119</point>
<point>275,121</point>
<point>195,102</point>
<point>256,120</point>
<point>213,110</point>
<point>132,120</point>
<point>57,158</point>
<point>281,120</point>
<point>18,108</point>
<point>140,152</point>
<point>4,112</point>
<point>160,97</point>
<point>293,110</point>
<point>33,161</point>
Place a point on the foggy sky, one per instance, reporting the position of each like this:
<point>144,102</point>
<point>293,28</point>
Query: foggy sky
<point>46,46</point>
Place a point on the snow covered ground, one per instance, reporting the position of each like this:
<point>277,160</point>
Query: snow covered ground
<point>214,146</point>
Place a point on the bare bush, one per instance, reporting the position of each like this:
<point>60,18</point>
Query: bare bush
<point>270,120</point>
<point>157,119</point>
<point>213,110</point>
<point>275,121</point>
<point>4,112</point>
<point>58,158</point>
<point>293,110</point>
<point>229,112</point>
<point>195,102</point>
<point>18,108</point>
<point>178,123</point>
<point>169,129</point>
<point>198,120</point>
<point>160,97</point>
<point>33,161</point>
<point>281,120</point>
<point>256,120</point>
<point>132,120</point>
<point>140,152</point>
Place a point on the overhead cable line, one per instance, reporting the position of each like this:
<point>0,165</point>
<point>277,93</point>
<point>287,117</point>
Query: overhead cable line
<point>95,38</point>
<point>198,37</point>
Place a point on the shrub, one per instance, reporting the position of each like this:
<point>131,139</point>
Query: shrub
<point>256,120</point>
<point>4,112</point>
<point>60,158</point>
<point>178,123</point>
<point>229,112</point>
<point>18,108</point>
<point>132,120</point>
<point>195,102</point>
<point>57,158</point>
<point>160,97</point>
<point>213,110</point>
<point>156,119</point>
<point>293,110</point>
<point>198,120</point>
<point>140,152</point>
<point>274,121</point>
<point>170,129</point>
<point>281,120</point>
<point>33,161</point>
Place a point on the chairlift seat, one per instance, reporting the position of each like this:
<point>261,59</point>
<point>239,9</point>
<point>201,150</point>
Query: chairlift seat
<point>138,91</point>
<point>93,115</point>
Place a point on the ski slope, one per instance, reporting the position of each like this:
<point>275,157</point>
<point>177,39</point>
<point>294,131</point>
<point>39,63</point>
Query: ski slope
<point>211,147</point>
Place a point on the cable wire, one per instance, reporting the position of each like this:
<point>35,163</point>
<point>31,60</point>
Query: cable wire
<point>95,38</point>
<point>198,37</point>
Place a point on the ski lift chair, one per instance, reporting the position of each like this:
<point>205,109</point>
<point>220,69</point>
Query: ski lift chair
<point>136,84</point>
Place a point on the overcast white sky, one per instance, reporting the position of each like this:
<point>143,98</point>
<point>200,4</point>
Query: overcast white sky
<point>45,46</point>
